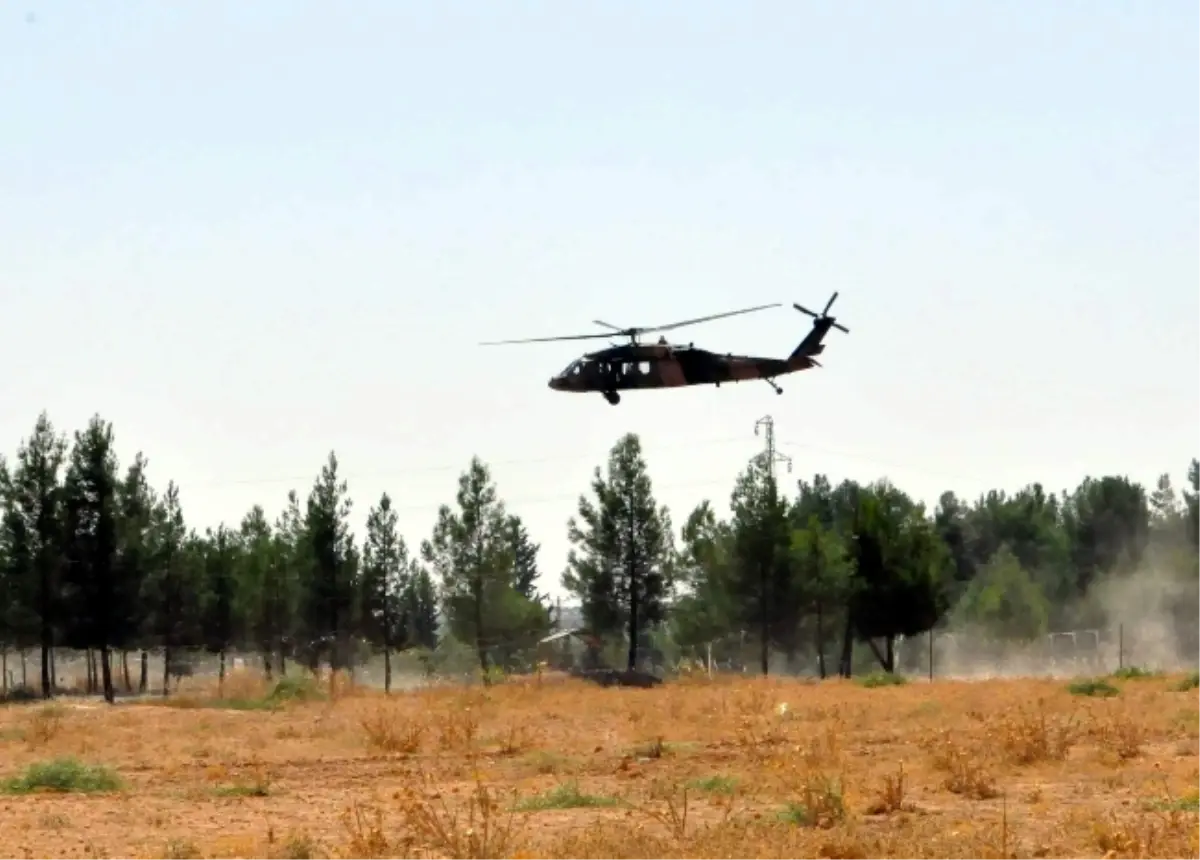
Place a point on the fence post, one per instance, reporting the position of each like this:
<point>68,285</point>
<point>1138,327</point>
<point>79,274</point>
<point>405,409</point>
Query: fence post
<point>1121,645</point>
<point>931,654</point>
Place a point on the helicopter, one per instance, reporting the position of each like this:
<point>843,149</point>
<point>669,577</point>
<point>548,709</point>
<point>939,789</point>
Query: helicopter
<point>636,365</point>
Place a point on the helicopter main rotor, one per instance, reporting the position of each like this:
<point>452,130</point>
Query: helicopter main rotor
<point>634,332</point>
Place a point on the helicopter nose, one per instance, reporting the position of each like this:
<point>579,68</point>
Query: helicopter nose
<point>554,383</point>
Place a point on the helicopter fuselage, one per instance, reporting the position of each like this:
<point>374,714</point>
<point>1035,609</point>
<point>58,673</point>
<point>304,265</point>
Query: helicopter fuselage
<point>623,368</point>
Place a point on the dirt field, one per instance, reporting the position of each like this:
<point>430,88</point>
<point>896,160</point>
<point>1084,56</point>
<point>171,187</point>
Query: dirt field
<point>725,768</point>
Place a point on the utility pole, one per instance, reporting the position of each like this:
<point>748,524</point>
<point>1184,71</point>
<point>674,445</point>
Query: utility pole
<point>773,456</point>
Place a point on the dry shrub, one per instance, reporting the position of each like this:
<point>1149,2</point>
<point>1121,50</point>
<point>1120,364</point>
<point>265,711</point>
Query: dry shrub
<point>44,725</point>
<point>818,803</point>
<point>477,829</point>
<point>1149,834</point>
<point>458,728</point>
<point>390,731</point>
<point>1119,735</point>
<point>967,773</point>
<point>364,828</point>
<point>1026,736</point>
<point>514,739</point>
<point>891,795</point>
<point>823,748</point>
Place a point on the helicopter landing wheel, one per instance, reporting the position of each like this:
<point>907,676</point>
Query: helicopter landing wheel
<point>612,397</point>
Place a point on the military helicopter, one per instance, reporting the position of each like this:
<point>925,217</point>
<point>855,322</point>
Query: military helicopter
<point>624,367</point>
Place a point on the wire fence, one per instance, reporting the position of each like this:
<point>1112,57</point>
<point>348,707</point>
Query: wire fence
<point>933,655</point>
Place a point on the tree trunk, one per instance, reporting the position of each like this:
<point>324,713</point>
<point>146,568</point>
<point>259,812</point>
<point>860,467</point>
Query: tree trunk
<point>764,624</point>
<point>890,664</point>
<point>221,677</point>
<point>266,658</point>
<point>387,670</point>
<point>91,671</point>
<point>846,666</point>
<point>47,631</point>
<point>4,672</point>
<point>53,670</point>
<point>47,675</point>
<point>24,670</point>
<point>820,641</point>
<point>166,670</point>
<point>106,671</point>
<point>480,648</point>
<point>144,680</point>
<point>125,670</point>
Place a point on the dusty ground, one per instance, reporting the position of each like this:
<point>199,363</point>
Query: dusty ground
<point>734,768</point>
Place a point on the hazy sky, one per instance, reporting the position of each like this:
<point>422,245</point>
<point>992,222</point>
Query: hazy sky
<point>249,233</point>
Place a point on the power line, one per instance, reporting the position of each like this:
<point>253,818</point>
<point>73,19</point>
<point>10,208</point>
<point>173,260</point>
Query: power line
<point>457,467</point>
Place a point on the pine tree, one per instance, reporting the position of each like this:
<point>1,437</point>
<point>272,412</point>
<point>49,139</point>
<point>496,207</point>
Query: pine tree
<point>767,595</point>
<point>524,554</point>
<point>217,606</point>
<point>704,612</point>
<point>421,610</point>
<point>33,527</point>
<point>329,596</point>
<point>824,576</point>
<point>291,568</point>
<point>254,570</point>
<point>386,577</point>
<point>170,592</point>
<point>135,502</point>
<point>92,589</point>
<point>620,565</point>
<point>469,551</point>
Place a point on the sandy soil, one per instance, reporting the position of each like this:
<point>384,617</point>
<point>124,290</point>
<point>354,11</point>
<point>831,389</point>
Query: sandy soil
<point>731,767</point>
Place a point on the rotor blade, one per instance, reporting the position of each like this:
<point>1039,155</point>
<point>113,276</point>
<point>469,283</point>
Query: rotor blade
<point>842,327</point>
<point>707,318</point>
<point>832,299</point>
<point>545,339</point>
<point>803,310</point>
<point>608,325</point>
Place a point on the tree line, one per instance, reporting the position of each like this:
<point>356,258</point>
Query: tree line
<point>93,558</point>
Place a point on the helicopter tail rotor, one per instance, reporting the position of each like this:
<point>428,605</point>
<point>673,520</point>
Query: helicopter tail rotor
<point>824,316</point>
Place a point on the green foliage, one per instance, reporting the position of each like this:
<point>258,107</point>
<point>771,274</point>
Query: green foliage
<point>63,775</point>
<point>1097,687</point>
<point>565,795</point>
<point>328,608</point>
<point>296,689</point>
<point>471,552</point>
<point>92,556</point>
<point>1191,682</point>
<point>620,563</point>
<point>762,580</point>
<point>1004,601</point>
<point>882,679</point>
<point>1134,673</point>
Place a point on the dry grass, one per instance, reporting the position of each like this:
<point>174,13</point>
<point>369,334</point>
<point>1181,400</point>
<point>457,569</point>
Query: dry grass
<point>730,767</point>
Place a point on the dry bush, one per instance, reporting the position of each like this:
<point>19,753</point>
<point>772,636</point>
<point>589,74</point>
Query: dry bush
<point>968,773</point>
<point>390,731</point>
<point>1146,834</point>
<point>478,828</point>
<point>891,795</point>
<point>44,725</point>
<point>772,769</point>
<point>1026,736</point>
